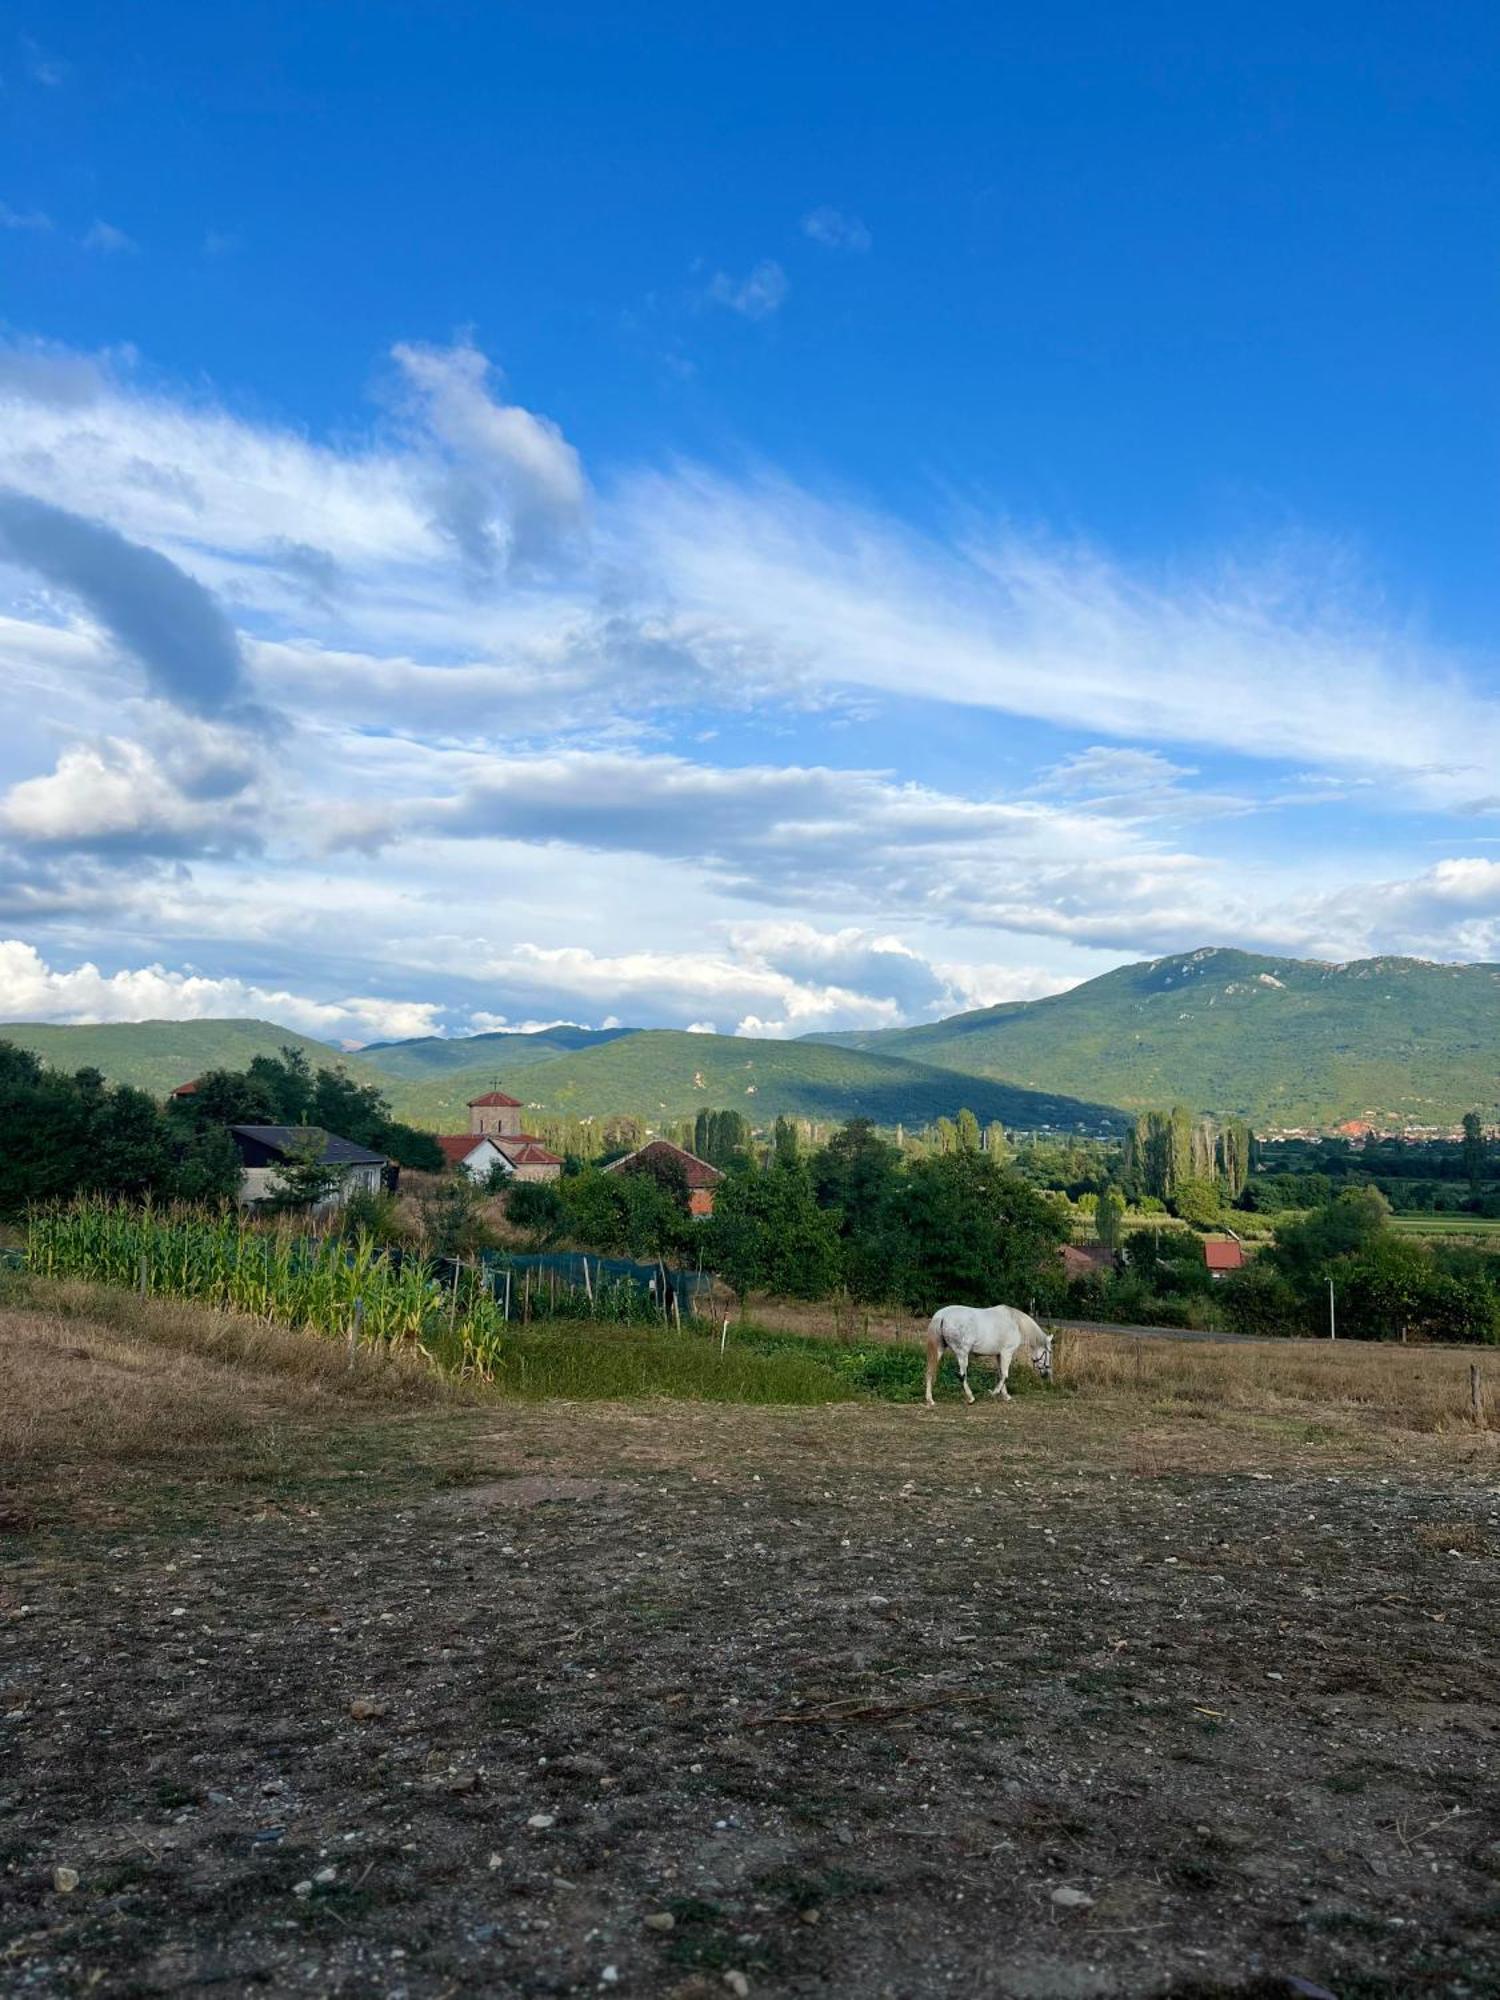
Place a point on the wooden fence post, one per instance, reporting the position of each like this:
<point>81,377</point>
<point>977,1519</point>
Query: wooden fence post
<point>1476,1394</point>
<point>356,1327</point>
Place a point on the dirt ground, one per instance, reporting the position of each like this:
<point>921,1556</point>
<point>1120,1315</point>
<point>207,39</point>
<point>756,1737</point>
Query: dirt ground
<point>1075,1697</point>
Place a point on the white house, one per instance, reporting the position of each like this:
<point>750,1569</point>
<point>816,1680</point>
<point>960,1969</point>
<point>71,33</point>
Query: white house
<point>264,1148</point>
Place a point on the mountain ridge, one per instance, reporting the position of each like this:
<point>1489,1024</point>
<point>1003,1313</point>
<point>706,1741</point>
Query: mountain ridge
<point>1281,1041</point>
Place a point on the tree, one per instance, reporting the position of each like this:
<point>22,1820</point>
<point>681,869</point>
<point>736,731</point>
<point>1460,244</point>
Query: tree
<point>966,1133</point>
<point>786,1146</point>
<point>1108,1216</point>
<point>1198,1201</point>
<point>767,1233</point>
<point>208,1168</point>
<point>1474,1150</point>
<point>721,1137</point>
<point>855,1173</point>
<point>538,1209</point>
<point>304,1179</point>
<point>975,1234</point>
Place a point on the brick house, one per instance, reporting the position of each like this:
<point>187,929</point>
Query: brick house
<point>701,1178</point>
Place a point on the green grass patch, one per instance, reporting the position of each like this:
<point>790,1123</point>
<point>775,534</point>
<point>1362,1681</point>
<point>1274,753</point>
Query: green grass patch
<point>605,1366</point>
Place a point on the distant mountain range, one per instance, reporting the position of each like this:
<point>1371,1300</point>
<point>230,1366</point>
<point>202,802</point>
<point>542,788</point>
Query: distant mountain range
<point>655,1073</point>
<point>1281,1041</point>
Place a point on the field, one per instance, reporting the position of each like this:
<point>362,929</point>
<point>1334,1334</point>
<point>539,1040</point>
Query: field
<point>320,1678</point>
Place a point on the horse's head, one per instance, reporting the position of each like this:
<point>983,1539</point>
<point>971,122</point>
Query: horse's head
<point>1041,1355</point>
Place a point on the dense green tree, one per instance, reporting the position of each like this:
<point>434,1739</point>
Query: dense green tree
<point>974,1233</point>
<point>767,1233</point>
<point>723,1138</point>
<point>1475,1150</point>
<point>538,1208</point>
<point>1198,1201</point>
<point>856,1173</point>
<point>966,1133</point>
<point>1108,1217</point>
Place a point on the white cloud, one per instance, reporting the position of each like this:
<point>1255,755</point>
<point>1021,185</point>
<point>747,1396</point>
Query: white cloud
<point>506,470</point>
<point>757,296</point>
<point>1254,662</point>
<point>835,230</point>
<point>31,990</point>
<point>103,236</point>
<point>503,749</point>
<point>19,218</point>
<point>116,795</point>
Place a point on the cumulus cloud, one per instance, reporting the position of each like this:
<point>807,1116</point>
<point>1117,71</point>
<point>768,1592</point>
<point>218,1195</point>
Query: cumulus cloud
<point>757,296</point>
<point>33,990</point>
<point>835,230</point>
<point>167,622</point>
<point>116,797</point>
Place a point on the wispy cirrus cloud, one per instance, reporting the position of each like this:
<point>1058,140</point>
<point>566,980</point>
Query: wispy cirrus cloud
<point>507,677</point>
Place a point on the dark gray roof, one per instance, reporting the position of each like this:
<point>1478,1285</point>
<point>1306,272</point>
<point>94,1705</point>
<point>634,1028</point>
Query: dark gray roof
<point>291,1140</point>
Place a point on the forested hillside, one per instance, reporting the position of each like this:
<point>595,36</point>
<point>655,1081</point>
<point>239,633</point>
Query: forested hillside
<point>1280,1041</point>
<point>662,1073</point>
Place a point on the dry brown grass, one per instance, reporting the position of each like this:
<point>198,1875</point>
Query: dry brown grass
<point>1395,1387</point>
<point>1406,1388</point>
<point>92,1375</point>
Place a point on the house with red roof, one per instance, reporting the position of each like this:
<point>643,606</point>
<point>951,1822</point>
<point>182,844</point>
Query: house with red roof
<point>701,1178</point>
<point>1222,1255</point>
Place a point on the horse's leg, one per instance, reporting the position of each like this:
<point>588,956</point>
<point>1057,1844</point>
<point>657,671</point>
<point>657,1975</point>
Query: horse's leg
<point>1002,1370</point>
<point>934,1362</point>
<point>963,1375</point>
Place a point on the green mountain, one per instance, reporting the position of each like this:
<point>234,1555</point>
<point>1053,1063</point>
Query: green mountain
<point>1280,1041</point>
<point>505,1052</point>
<point>650,1073</point>
<point>158,1055</point>
<point>664,1073</point>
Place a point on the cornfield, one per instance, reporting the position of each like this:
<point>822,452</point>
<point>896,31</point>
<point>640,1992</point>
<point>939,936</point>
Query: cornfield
<point>348,1288</point>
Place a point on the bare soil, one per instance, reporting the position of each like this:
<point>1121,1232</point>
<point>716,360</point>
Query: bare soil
<point>1082,1696</point>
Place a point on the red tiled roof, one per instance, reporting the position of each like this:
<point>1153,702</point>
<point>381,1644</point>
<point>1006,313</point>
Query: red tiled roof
<point>1085,1260</point>
<point>1223,1256</point>
<point>187,1089</point>
<point>494,1097</point>
<point>458,1145</point>
<point>698,1173</point>
<point>526,1151</point>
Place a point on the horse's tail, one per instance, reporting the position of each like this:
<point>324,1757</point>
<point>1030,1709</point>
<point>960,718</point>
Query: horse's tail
<point>937,1333</point>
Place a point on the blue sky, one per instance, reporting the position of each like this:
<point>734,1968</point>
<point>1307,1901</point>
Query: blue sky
<point>771,520</point>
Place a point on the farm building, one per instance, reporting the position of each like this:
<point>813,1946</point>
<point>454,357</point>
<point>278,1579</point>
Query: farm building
<point>495,1139</point>
<point>701,1178</point>
<point>264,1148</point>
<point>1222,1255</point>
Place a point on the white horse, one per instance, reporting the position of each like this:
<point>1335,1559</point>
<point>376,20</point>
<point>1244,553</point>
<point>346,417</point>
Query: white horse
<point>964,1331</point>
